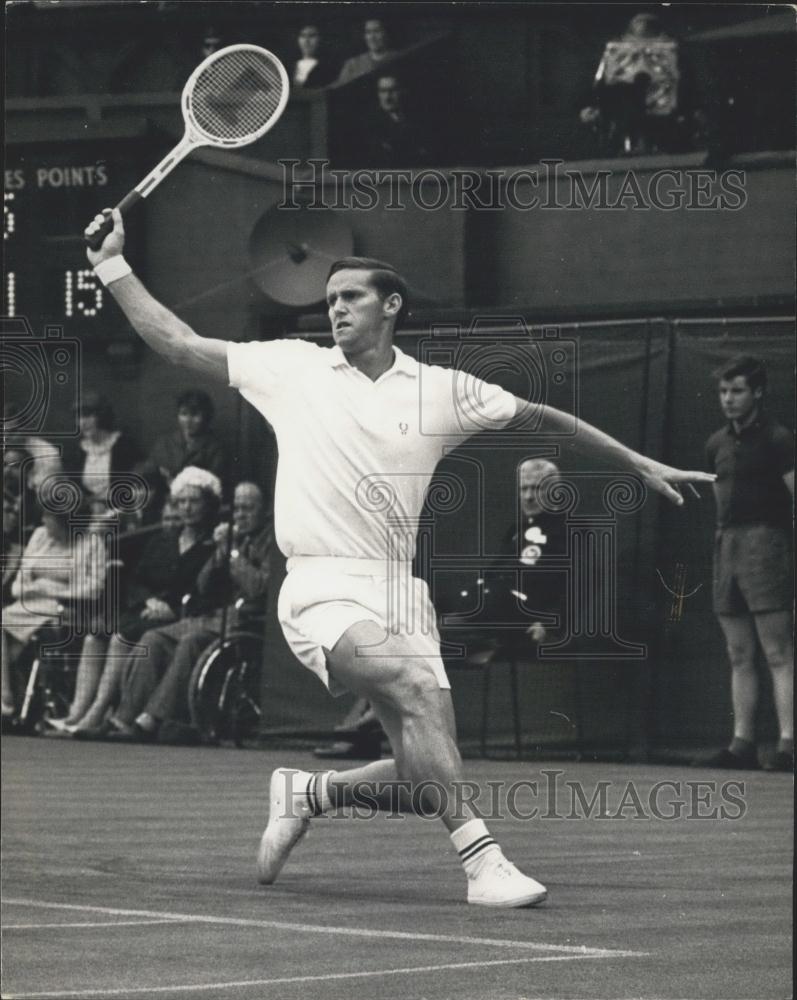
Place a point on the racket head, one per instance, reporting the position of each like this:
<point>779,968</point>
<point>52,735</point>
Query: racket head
<point>234,96</point>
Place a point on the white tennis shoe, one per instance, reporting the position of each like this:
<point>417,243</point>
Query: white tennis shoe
<point>499,883</point>
<point>288,821</point>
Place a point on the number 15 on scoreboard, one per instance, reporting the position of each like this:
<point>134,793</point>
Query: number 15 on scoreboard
<point>83,294</point>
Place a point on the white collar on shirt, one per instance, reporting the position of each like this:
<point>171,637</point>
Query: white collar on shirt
<point>402,362</point>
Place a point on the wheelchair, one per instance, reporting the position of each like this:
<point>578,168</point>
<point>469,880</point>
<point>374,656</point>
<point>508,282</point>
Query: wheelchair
<point>47,667</point>
<point>224,688</point>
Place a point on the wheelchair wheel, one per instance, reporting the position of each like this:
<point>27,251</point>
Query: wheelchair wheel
<point>57,685</point>
<point>47,691</point>
<point>224,690</point>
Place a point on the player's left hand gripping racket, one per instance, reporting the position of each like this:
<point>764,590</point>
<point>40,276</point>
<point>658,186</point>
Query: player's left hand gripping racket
<point>231,99</point>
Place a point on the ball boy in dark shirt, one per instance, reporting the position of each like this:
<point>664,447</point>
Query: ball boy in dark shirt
<point>753,457</point>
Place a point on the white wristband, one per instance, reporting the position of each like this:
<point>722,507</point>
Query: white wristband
<point>112,269</point>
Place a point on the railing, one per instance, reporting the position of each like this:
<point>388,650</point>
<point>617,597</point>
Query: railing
<point>305,130</point>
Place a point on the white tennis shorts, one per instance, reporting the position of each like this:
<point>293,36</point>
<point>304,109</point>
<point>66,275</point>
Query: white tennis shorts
<point>323,596</point>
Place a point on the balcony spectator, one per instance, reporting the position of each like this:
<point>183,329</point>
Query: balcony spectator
<point>211,42</point>
<point>636,89</point>
<point>313,69</point>
<point>377,52</point>
<point>101,453</point>
<point>395,138</point>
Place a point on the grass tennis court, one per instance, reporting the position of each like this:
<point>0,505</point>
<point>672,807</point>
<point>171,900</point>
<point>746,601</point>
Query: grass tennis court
<point>129,872</point>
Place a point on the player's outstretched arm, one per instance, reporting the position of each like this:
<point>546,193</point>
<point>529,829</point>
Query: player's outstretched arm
<point>657,476</point>
<point>156,325</point>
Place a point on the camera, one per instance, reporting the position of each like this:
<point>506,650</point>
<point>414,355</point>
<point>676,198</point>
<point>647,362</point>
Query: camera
<point>41,376</point>
<point>538,365</point>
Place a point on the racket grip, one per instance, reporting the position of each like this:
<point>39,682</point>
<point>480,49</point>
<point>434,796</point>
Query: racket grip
<point>95,240</point>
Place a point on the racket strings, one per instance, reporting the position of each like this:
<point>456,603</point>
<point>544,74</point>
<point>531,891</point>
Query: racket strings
<point>236,95</point>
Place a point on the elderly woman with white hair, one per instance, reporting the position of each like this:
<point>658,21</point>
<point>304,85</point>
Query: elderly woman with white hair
<point>168,570</point>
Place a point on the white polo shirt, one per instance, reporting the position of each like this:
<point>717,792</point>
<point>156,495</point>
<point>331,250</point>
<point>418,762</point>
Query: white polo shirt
<point>356,456</point>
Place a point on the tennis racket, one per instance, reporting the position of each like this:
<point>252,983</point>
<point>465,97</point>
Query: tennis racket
<point>231,99</point>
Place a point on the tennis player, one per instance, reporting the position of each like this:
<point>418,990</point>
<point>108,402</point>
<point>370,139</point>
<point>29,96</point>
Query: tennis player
<point>361,427</point>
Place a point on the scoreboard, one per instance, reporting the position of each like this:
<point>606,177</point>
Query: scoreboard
<point>50,194</point>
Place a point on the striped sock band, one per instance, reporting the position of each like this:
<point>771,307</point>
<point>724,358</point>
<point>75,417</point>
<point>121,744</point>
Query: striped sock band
<point>472,841</point>
<point>312,795</point>
<point>318,800</point>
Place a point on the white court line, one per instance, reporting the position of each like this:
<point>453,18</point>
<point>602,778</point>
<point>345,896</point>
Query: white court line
<point>325,977</point>
<point>88,923</point>
<point>364,932</point>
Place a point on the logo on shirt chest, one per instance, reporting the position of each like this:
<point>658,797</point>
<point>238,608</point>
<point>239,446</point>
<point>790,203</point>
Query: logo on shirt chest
<point>404,426</point>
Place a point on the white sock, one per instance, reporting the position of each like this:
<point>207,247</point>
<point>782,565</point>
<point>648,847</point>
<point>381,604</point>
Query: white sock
<point>473,843</point>
<point>314,785</point>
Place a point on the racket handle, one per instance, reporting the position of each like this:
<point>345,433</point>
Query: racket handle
<point>95,240</point>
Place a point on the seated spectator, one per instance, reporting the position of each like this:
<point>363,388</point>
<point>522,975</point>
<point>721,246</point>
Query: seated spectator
<point>239,566</point>
<point>17,465</point>
<point>45,457</point>
<point>101,453</point>
<point>55,570</point>
<point>46,460</point>
<point>313,69</point>
<point>92,658</point>
<point>636,89</point>
<point>394,138</point>
<point>236,575</point>
<point>28,461</point>
<point>12,542</point>
<point>191,443</point>
<point>377,52</point>
<point>165,574</point>
<point>540,532</point>
<point>506,597</point>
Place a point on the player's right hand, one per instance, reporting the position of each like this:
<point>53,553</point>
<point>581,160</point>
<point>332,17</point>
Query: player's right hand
<point>114,242</point>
